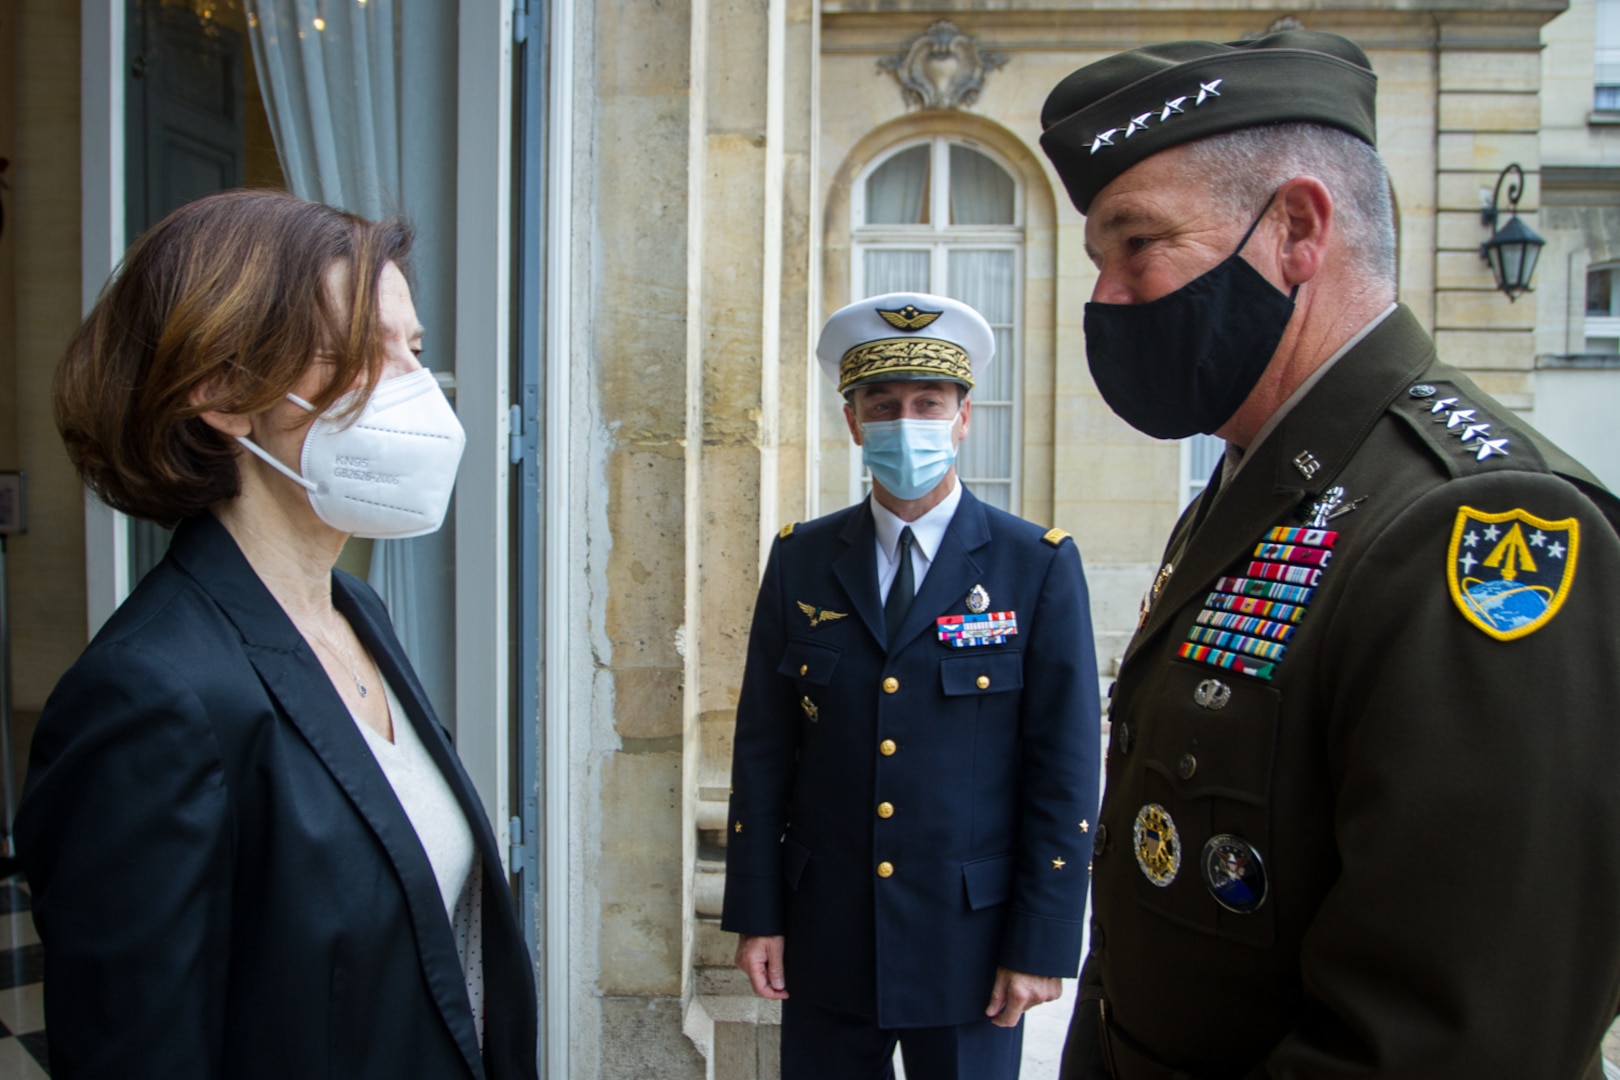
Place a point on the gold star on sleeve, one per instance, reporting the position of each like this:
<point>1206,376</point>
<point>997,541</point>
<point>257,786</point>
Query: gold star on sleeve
<point>1058,864</point>
<point>1085,826</point>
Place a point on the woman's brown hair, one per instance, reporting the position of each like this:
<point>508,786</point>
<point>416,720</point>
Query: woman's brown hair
<point>221,306</point>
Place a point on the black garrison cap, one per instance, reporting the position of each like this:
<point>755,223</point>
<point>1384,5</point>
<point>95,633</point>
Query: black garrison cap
<point>1109,115</point>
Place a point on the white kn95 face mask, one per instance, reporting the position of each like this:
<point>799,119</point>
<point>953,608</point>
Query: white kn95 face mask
<point>386,473</point>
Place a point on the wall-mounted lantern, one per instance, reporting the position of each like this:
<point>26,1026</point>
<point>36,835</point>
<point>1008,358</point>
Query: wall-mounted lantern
<point>1513,249</point>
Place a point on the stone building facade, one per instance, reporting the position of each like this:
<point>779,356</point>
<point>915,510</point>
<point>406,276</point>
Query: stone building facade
<point>721,178</point>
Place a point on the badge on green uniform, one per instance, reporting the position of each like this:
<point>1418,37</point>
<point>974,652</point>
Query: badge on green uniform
<point>1509,573</point>
<point>1157,843</point>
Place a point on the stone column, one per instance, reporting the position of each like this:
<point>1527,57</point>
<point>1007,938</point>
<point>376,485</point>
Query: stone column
<point>1488,116</point>
<point>696,223</point>
<point>748,469</point>
<point>634,192</point>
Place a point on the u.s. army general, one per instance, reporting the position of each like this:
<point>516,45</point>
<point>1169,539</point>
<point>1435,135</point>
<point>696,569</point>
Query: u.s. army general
<point>1362,816</point>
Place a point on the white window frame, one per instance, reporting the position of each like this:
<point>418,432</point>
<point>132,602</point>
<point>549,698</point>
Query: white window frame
<point>1192,480</point>
<point>940,238</point>
<point>1605,51</point>
<point>1606,327</point>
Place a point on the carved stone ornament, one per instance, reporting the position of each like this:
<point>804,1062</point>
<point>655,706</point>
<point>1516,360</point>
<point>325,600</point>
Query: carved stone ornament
<point>942,68</point>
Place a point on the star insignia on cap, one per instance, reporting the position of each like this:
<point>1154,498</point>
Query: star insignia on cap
<point>909,317</point>
<point>1138,123</point>
<point>1105,138</point>
<point>1487,447</point>
<point>1206,90</point>
<point>1172,107</point>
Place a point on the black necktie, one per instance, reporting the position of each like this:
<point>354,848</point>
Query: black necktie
<point>902,591</point>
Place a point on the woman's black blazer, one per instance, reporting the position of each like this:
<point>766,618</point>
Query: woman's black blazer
<point>223,880</point>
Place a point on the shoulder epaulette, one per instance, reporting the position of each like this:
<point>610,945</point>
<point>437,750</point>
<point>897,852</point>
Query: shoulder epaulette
<point>786,531</point>
<point>1466,430</point>
<point>1055,536</point>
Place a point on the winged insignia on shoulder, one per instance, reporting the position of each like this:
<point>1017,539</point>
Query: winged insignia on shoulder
<point>909,317</point>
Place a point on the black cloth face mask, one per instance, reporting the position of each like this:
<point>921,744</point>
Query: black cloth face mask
<point>1182,364</point>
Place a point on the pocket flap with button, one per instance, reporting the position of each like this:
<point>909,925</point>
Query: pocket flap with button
<point>1209,752</point>
<point>988,881</point>
<point>981,673</point>
<point>808,661</point>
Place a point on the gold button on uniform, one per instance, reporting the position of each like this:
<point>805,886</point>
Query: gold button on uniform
<point>887,748</point>
<point>891,684</point>
<point>984,682</point>
<point>885,869</point>
<point>804,669</point>
<point>885,809</point>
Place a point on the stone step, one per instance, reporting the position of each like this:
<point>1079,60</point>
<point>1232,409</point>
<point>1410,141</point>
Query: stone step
<point>740,1036</point>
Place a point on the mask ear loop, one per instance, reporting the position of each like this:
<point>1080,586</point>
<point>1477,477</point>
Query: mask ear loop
<point>265,456</point>
<point>1293,293</point>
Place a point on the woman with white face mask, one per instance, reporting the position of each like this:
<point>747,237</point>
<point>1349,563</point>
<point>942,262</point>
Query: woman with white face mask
<point>252,850</point>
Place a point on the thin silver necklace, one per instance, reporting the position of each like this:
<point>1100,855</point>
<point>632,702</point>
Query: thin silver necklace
<point>354,673</point>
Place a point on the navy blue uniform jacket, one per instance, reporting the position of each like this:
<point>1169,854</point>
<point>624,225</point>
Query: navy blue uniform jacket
<point>986,757</point>
<point>224,881</point>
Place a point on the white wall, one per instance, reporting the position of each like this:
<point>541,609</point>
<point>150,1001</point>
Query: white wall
<point>1575,409</point>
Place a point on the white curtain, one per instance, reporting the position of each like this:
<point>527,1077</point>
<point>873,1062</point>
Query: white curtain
<point>985,279</point>
<point>328,74</point>
<point>897,192</point>
<point>896,270</point>
<point>1606,72</point>
<point>981,191</point>
<point>353,90</point>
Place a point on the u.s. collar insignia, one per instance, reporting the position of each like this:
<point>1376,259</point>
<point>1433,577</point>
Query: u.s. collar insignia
<point>909,317</point>
<point>1158,845</point>
<point>819,615</point>
<point>978,600</point>
<point>1510,572</point>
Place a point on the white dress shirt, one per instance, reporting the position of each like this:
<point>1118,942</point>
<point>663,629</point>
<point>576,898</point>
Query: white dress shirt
<point>927,532</point>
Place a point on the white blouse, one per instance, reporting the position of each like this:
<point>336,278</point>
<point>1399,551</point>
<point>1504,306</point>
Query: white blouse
<point>447,838</point>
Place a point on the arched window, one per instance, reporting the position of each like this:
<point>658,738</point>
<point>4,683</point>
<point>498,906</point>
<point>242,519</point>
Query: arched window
<point>943,215</point>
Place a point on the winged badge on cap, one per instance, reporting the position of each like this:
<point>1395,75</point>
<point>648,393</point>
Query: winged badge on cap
<point>819,615</point>
<point>909,317</point>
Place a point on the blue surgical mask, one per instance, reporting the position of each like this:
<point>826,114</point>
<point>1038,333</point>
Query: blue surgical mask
<point>908,457</point>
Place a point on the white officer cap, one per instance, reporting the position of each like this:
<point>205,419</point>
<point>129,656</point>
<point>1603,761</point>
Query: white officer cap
<point>902,336</point>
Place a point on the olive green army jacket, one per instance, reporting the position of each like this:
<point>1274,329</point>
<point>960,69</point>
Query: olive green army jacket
<point>1362,813</point>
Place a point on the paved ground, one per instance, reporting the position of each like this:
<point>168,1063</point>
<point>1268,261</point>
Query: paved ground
<point>1044,1031</point>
